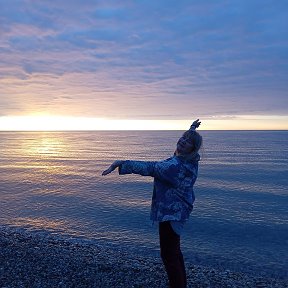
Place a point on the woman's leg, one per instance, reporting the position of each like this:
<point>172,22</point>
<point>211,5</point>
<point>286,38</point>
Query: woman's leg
<point>172,256</point>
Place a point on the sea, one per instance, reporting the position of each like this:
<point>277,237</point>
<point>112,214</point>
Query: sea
<point>51,182</point>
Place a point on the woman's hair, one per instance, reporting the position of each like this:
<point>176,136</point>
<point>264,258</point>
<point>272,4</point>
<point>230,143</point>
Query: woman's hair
<point>195,138</point>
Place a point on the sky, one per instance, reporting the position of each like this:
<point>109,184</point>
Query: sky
<point>144,64</point>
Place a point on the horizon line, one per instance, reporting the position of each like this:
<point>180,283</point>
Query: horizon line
<point>149,130</point>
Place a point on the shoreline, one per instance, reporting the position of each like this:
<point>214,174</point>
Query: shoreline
<point>36,259</point>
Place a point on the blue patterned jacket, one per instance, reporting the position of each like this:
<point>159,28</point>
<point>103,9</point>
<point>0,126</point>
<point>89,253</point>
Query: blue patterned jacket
<point>173,194</point>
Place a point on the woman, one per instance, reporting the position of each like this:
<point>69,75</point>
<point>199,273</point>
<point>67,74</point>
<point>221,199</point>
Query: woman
<point>173,197</point>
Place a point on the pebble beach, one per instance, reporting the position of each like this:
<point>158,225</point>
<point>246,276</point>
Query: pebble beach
<point>39,259</point>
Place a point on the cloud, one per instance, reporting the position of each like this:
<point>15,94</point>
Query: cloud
<point>144,59</point>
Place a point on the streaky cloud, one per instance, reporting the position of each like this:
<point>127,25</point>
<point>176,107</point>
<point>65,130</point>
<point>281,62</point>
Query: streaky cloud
<point>144,59</point>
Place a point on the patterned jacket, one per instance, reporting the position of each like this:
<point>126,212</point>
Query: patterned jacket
<point>173,194</point>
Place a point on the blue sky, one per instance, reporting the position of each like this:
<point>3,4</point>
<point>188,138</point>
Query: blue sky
<point>159,59</point>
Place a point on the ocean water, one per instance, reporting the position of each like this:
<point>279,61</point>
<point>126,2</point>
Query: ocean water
<point>51,181</point>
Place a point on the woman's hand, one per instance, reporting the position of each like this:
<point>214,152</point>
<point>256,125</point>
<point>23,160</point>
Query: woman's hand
<point>112,167</point>
<point>195,124</point>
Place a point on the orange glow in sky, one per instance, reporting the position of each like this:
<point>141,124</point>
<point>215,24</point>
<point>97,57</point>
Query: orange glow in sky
<point>58,123</point>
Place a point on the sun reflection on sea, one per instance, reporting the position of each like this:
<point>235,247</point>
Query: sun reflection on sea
<point>45,144</point>
<point>40,223</point>
<point>43,151</point>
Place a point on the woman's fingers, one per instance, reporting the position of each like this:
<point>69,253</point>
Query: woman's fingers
<point>112,167</point>
<point>106,172</point>
<point>196,123</point>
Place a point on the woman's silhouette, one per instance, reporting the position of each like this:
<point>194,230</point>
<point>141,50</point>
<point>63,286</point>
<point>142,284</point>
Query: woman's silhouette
<point>173,197</point>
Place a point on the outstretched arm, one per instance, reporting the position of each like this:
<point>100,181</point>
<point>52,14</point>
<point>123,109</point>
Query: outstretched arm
<point>166,170</point>
<point>144,168</point>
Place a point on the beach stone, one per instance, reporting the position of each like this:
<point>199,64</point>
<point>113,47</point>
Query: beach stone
<point>41,260</point>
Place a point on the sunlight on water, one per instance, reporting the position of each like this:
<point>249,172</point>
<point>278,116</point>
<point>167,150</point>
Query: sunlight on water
<point>40,223</point>
<point>47,147</point>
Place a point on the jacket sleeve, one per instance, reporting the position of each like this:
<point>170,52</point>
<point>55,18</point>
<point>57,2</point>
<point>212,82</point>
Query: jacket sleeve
<point>166,171</point>
<point>144,168</point>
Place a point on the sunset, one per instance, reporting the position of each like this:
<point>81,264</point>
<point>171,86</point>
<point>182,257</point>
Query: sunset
<point>62,123</point>
<point>143,143</point>
<point>148,60</point>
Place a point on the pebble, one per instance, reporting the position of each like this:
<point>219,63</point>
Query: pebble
<point>34,260</point>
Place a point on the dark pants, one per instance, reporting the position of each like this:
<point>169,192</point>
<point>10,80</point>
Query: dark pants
<point>172,256</point>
